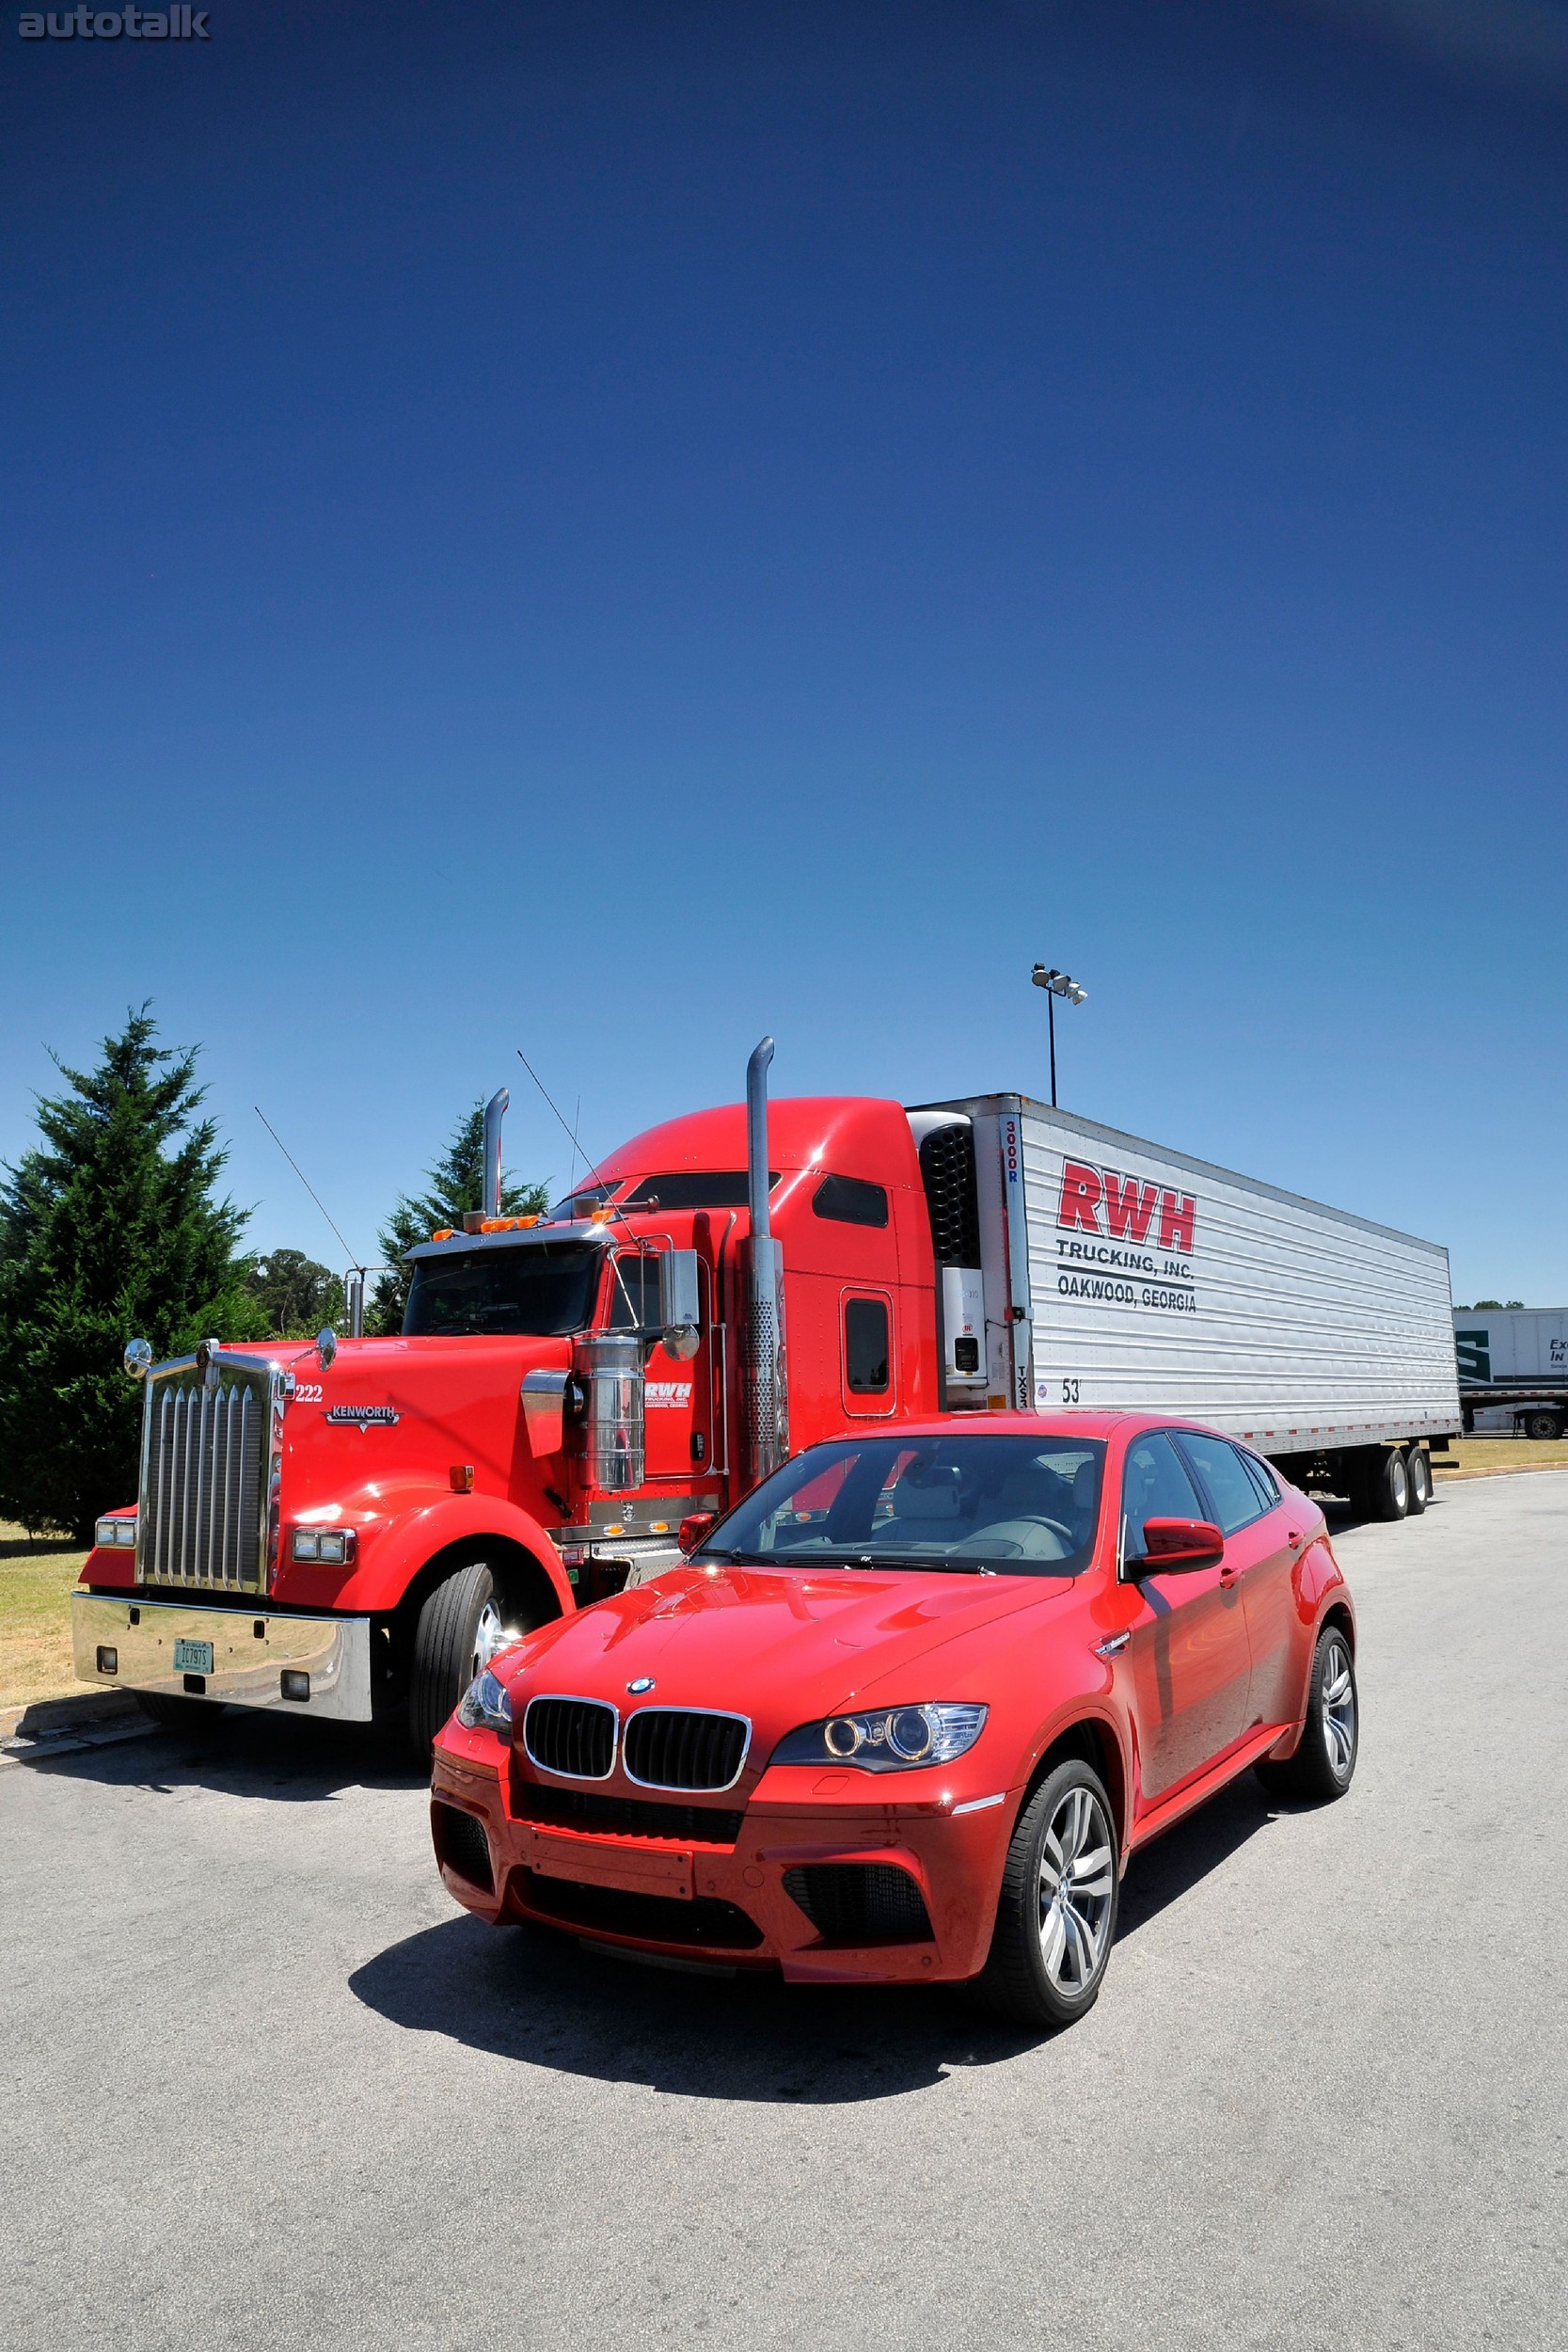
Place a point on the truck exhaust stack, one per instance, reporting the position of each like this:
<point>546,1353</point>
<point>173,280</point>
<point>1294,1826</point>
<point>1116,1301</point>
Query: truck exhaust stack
<point>766,1399</point>
<point>494,1111</point>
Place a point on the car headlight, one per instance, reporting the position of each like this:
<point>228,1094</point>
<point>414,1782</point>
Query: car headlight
<point>486,1704</point>
<point>887,1740</point>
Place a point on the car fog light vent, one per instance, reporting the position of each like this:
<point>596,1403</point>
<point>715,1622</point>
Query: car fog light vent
<point>109,1658</point>
<point>293,1684</point>
<point>859,1902</point>
<point>463,1846</point>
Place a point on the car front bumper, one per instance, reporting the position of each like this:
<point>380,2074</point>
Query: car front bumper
<point>596,1885</point>
<point>251,1651</point>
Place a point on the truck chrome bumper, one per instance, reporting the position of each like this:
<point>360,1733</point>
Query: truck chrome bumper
<point>328,1660</point>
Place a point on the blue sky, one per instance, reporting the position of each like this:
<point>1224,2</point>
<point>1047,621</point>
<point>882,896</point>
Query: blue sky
<point>610,529</point>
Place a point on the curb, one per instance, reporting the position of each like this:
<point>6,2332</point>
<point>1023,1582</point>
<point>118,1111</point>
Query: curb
<point>1502,1470</point>
<point>47,1720</point>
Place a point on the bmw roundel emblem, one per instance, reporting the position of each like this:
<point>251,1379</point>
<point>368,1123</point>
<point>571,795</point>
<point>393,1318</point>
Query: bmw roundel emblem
<point>643,1682</point>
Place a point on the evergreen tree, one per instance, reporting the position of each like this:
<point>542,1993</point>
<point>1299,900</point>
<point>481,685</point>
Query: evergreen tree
<point>112,1228</point>
<point>294,1292</point>
<point>457,1184</point>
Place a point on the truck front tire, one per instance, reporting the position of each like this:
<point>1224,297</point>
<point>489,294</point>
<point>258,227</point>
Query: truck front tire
<point>460,1626</point>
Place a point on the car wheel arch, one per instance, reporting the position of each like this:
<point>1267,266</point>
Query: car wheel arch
<point>1094,1739</point>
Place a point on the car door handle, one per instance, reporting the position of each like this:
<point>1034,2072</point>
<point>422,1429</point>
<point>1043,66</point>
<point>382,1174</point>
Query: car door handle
<point>1295,1540</point>
<point>1228,1575</point>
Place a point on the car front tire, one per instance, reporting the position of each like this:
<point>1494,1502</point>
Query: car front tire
<point>1056,1917</point>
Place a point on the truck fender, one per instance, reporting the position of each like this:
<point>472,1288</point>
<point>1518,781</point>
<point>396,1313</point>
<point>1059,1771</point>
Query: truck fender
<point>416,1534</point>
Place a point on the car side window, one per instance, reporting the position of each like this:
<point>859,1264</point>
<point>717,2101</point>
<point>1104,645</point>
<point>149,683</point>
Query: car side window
<point>1154,1486</point>
<point>1263,1478</point>
<point>1235,1499</point>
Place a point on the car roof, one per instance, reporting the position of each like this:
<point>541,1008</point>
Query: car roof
<point>1067,1424</point>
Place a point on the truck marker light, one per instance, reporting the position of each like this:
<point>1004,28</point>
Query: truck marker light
<point>109,1658</point>
<point>293,1684</point>
<point>462,1477</point>
<point>443,1233</point>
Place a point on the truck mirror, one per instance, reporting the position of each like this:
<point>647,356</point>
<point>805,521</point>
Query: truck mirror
<point>680,1312</point>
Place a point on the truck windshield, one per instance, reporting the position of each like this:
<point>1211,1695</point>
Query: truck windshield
<point>543,1291</point>
<point>1015,1507</point>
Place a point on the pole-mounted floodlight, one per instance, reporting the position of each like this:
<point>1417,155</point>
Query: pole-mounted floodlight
<point>1057,984</point>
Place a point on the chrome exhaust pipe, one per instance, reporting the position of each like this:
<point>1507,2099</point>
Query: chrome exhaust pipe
<point>494,1111</point>
<point>766,1404</point>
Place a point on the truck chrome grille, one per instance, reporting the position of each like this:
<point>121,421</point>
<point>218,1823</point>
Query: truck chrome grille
<point>571,1736</point>
<point>202,1515</point>
<point>674,1747</point>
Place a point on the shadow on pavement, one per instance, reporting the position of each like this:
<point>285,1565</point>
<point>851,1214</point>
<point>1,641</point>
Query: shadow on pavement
<point>550,2002</point>
<point>242,1754</point>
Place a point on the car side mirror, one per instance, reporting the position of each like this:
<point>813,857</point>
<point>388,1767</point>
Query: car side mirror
<point>1171,1545</point>
<point>694,1528</point>
<point>680,1312</point>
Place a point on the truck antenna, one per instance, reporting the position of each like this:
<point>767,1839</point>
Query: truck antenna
<point>593,1175</point>
<point>303,1178</point>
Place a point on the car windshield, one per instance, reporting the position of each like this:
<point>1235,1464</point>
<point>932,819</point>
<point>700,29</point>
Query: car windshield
<point>540,1289</point>
<point>1009,1506</point>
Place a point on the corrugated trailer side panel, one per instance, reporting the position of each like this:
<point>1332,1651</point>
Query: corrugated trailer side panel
<point>1158,1283</point>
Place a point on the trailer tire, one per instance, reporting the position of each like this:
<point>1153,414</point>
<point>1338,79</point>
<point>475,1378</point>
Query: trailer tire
<point>1388,1485</point>
<point>1418,1472</point>
<point>1547,1425</point>
<point>454,1635</point>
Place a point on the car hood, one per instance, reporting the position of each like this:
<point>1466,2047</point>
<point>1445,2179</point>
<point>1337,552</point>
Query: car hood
<point>782,1649</point>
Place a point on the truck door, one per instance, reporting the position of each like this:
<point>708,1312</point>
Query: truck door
<point>1190,1660</point>
<point>678,1397</point>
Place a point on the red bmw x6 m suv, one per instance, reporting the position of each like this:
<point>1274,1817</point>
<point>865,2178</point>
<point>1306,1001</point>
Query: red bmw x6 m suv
<point>904,1715</point>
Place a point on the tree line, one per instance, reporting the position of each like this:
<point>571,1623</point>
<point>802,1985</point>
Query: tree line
<point>113,1224</point>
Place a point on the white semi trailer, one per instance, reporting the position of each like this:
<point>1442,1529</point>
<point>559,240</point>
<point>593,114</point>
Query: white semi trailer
<point>1113,1272</point>
<point>1515,1358</point>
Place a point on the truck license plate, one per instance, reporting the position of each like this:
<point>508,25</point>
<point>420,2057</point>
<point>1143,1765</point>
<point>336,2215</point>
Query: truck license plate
<point>193,1657</point>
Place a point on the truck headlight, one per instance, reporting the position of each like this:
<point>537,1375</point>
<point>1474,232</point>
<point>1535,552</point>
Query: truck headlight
<point>887,1739</point>
<point>116,1533</point>
<point>486,1704</point>
<point>333,1546</point>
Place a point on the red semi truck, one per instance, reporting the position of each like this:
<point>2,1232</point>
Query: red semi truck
<point>352,1529</point>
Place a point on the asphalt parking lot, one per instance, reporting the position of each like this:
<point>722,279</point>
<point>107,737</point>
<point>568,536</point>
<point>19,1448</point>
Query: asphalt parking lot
<point>264,2086</point>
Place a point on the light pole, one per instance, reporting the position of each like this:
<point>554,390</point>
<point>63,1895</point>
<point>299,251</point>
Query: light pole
<point>1057,984</point>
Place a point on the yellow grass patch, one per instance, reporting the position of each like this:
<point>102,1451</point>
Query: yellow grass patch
<point>36,1582</point>
<point>1508,1454</point>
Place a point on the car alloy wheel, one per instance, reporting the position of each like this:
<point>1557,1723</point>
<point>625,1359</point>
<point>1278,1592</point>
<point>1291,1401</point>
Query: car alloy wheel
<point>1337,1705</point>
<point>1057,1905</point>
<point>490,1634</point>
<point>1077,1885</point>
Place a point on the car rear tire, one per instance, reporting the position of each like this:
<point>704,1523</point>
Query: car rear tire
<point>1388,1485</point>
<point>1324,1765</point>
<point>1545,1425</point>
<point>459,1630</point>
<point>1418,1472</point>
<point>1057,1916</point>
